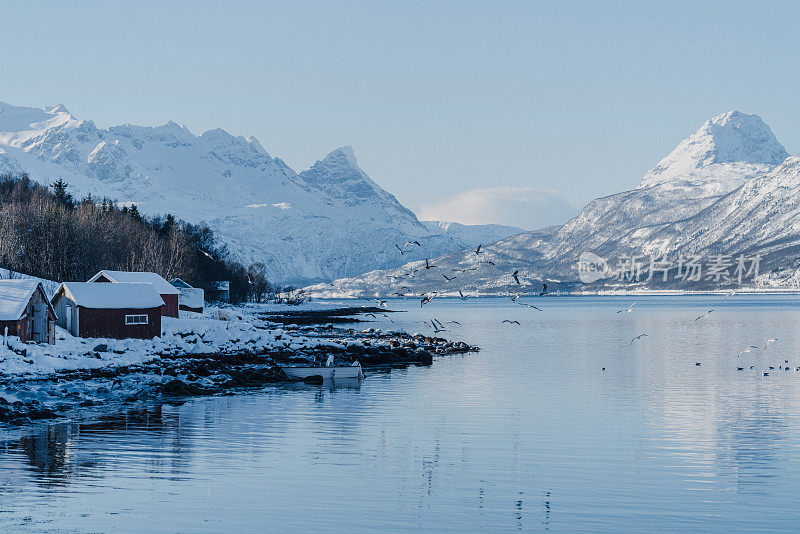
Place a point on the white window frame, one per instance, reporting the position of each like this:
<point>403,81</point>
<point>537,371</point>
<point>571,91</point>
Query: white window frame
<point>137,319</point>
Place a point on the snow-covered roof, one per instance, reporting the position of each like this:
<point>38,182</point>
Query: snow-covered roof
<point>14,297</point>
<point>112,296</point>
<point>128,277</point>
<point>177,282</point>
<point>194,297</point>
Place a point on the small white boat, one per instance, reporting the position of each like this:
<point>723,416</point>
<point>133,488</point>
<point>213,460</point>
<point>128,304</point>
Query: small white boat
<point>332,372</point>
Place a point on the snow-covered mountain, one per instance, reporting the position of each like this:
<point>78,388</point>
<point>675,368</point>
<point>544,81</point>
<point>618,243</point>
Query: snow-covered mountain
<point>730,188</point>
<point>326,222</point>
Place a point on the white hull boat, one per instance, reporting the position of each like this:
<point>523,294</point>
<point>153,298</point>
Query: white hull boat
<point>299,372</point>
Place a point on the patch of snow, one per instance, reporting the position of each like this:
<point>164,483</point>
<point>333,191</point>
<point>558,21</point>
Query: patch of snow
<point>279,205</point>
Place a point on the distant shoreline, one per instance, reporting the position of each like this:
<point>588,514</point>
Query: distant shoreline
<point>607,293</point>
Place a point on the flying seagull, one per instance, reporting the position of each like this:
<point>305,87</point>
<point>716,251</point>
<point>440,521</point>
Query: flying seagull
<point>516,277</point>
<point>509,322</point>
<point>400,295</point>
<point>630,308</point>
<point>426,298</point>
<point>398,248</point>
<point>544,290</point>
<point>513,298</point>
<point>748,349</point>
<point>462,295</point>
<point>412,243</point>
<point>436,329</point>
<point>448,278</point>
<point>478,250</point>
<point>381,303</point>
<point>769,341</point>
<point>529,306</point>
<point>640,336</point>
<point>729,294</point>
<point>706,314</point>
<point>428,264</point>
<point>490,262</point>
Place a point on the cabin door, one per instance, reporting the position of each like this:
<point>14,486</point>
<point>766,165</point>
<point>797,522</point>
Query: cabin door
<point>39,334</point>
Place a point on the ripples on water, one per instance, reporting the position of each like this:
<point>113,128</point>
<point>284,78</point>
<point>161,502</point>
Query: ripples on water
<point>528,434</point>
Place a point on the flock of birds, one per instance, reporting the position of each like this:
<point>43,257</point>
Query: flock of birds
<point>629,309</point>
<point>427,297</point>
<point>438,326</point>
<point>749,349</point>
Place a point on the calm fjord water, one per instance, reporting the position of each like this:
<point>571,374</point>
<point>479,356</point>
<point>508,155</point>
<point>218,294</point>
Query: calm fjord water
<point>529,434</point>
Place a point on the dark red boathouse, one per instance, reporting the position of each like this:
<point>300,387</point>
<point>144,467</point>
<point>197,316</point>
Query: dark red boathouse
<point>119,311</point>
<point>168,292</point>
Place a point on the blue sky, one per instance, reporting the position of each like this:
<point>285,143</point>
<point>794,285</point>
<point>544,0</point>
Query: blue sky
<point>565,101</point>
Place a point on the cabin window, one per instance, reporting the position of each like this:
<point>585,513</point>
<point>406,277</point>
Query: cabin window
<point>136,319</point>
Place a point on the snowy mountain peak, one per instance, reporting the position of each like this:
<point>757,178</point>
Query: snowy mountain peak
<point>172,125</point>
<point>339,175</point>
<point>22,119</point>
<point>344,156</point>
<point>348,153</point>
<point>256,145</point>
<point>729,138</point>
<point>740,137</point>
<point>60,108</point>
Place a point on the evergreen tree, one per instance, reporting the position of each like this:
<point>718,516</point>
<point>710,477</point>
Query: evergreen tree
<point>61,193</point>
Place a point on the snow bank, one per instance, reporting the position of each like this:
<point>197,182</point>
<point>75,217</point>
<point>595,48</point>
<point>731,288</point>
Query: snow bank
<point>217,330</point>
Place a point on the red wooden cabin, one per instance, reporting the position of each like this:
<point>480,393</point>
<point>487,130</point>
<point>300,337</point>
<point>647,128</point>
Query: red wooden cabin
<point>168,292</point>
<point>117,311</point>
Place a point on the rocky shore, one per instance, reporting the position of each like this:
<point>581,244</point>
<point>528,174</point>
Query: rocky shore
<point>193,372</point>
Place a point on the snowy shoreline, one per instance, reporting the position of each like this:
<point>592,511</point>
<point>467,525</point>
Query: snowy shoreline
<point>224,349</point>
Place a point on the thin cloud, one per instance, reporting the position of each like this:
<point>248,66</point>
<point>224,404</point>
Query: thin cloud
<point>524,207</point>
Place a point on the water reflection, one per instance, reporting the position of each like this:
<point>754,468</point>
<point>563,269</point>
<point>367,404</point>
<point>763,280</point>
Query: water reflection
<point>57,452</point>
<point>162,433</point>
<point>487,441</point>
